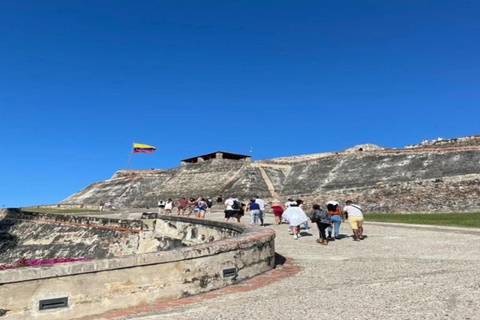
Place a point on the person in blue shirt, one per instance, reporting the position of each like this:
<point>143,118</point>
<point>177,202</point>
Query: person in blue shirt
<point>254,210</point>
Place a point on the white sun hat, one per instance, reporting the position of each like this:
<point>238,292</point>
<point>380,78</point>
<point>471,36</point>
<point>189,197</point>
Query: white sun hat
<point>333,202</point>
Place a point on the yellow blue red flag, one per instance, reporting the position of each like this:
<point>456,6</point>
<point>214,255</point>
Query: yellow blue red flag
<point>143,148</point>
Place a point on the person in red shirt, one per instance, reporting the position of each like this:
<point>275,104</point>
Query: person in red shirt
<point>181,206</point>
<point>336,215</point>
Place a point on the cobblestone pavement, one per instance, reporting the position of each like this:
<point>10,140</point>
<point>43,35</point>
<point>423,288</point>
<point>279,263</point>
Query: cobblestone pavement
<point>395,273</point>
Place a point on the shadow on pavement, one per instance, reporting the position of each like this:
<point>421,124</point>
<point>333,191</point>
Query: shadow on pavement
<point>279,260</point>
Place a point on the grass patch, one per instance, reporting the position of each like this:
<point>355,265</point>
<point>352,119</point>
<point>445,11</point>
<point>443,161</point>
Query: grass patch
<point>57,210</point>
<point>471,220</point>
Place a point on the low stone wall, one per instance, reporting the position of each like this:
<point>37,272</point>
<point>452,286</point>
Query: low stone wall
<point>208,255</point>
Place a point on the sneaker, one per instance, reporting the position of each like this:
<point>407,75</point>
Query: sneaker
<point>295,237</point>
<point>308,231</point>
<point>299,235</point>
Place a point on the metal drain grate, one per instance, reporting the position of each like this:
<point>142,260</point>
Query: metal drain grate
<point>232,272</point>
<point>53,303</point>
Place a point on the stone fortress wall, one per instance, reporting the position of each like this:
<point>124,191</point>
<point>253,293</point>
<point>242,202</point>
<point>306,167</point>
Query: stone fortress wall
<point>434,176</point>
<point>135,262</point>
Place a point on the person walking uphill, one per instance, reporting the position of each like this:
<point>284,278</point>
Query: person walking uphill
<point>278,209</point>
<point>255,213</point>
<point>200,208</point>
<point>355,219</point>
<point>323,221</point>
<point>336,214</point>
<point>295,217</point>
<point>261,203</point>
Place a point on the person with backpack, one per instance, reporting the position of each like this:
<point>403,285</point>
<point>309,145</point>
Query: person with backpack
<point>323,221</point>
<point>232,208</point>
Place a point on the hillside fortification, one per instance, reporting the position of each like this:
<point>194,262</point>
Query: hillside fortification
<point>442,175</point>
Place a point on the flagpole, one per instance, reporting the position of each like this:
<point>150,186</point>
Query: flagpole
<point>130,157</point>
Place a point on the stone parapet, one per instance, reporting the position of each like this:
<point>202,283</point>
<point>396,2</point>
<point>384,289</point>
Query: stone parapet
<point>233,253</point>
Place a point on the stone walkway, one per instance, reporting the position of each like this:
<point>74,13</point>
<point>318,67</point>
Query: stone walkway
<point>397,272</point>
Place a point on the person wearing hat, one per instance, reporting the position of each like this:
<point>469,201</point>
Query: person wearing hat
<point>278,209</point>
<point>336,215</point>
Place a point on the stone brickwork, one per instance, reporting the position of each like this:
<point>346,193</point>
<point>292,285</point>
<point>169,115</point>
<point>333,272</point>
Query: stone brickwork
<point>438,176</point>
<point>31,235</point>
<point>207,255</point>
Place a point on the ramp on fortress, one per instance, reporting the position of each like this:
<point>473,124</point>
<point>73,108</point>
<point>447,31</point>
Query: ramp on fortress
<point>439,176</point>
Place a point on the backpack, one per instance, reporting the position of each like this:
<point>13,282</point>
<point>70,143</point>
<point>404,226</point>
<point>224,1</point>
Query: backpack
<point>236,205</point>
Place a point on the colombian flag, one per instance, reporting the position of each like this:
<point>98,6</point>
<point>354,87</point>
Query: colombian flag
<point>143,148</point>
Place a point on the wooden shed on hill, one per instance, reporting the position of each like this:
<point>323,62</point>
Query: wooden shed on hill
<point>216,155</point>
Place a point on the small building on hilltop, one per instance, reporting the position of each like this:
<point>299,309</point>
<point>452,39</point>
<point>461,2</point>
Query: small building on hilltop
<point>216,155</point>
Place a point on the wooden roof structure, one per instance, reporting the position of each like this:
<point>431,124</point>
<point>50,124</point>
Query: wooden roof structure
<point>216,155</point>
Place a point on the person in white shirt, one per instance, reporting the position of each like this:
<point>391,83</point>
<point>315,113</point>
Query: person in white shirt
<point>168,206</point>
<point>287,205</point>
<point>261,204</point>
<point>355,219</point>
<point>231,212</point>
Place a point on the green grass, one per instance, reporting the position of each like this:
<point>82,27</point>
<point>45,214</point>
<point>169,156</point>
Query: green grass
<point>471,220</point>
<point>57,210</point>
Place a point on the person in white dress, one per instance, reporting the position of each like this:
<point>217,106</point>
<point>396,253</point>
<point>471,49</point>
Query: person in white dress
<point>295,217</point>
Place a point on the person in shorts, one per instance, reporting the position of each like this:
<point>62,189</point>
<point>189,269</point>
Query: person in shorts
<point>200,208</point>
<point>191,205</point>
<point>181,206</point>
<point>229,211</point>
<point>168,206</point>
<point>355,219</point>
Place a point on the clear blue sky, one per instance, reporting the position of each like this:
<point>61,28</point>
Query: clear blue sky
<point>81,80</point>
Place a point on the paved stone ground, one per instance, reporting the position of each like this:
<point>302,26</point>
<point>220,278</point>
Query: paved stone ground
<point>397,272</point>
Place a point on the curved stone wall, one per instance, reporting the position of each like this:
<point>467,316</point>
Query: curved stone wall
<point>207,255</point>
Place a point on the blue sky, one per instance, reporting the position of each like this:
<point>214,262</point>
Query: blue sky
<point>81,80</point>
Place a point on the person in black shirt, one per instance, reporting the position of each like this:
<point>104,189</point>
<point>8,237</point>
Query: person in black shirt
<point>220,201</point>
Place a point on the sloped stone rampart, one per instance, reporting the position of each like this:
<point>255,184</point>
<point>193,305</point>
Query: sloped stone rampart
<point>380,179</point>
<point>209,253</point>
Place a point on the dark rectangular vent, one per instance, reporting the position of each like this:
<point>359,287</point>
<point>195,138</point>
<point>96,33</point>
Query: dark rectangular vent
<point>229,272</point>
<point>53,303</point>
